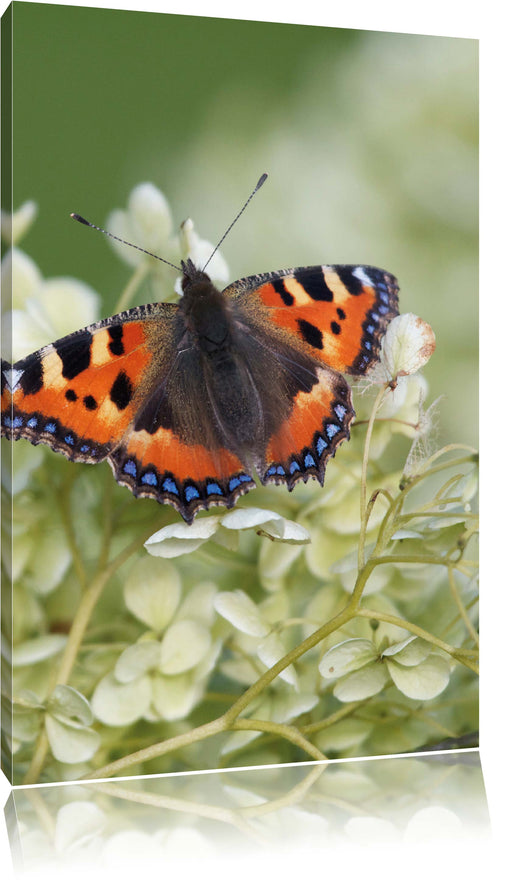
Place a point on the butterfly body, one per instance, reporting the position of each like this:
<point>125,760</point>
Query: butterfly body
<point>189,401</point>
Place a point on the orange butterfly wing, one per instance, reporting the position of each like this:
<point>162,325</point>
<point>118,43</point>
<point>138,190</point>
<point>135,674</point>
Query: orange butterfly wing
<point>336,315</point>
<point>87,397</point>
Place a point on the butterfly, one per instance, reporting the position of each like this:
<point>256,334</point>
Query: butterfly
<point>188,401</point>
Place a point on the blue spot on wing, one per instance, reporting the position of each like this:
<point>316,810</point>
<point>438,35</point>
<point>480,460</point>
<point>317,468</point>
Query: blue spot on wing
<point>149,478</point>
<point>213,488</point>
<point>191,493</point>
<point>321,445</point>
<point>170,486</point>
<point>130,467</point>
<point>50,427</point>
<point>13,423</point>
<point>332,429</point>
<point>309,461</point>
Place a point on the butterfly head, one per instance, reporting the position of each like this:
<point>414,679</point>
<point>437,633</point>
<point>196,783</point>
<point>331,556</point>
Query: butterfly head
<point>192,275</point>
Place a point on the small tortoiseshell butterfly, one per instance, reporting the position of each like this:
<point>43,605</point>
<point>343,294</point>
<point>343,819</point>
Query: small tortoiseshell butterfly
<point>186,401</point>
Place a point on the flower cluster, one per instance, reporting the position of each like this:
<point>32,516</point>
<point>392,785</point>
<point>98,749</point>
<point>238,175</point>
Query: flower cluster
<point>317,622</point>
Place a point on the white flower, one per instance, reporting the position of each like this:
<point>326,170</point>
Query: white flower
<point>200,251</point>
<point>241,611</point>
<point>362,670</point>
<point>407,346</point>
<point>147,222</point>
<point>44,309</point>
<point>180,539</point>
<point>164,674</point>
<point>16,225</point>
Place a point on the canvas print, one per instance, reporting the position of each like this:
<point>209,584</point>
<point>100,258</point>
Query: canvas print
<point>239,394</point>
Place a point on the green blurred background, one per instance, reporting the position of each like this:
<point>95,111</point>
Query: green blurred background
<point>369,139</point>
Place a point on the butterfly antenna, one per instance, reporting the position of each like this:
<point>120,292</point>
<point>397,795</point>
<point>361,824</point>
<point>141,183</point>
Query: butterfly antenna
<point>258,185</point>
<point>118,238</point>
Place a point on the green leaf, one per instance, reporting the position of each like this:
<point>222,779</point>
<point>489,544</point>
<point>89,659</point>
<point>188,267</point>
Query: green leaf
<point>152,592</point>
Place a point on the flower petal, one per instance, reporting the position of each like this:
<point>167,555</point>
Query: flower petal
<point>38,649</point>
<point>347,657</point>
<point>181,539</point>
<point>242,612</point>
<point>137,660</point>
<point>16,225</point>
<point>152,592</point>
<point>363,683</point>
<point>68,705</point>
<point>270,651</point>
<point>118,704</point>
<point>409,652</point>
<point>70,743</point>
<point>21,275</point>
<point>174,697</point>
<point>78,823</point>
<point>150,216</point>
<point>407,345</point>
<point>422,681</point>
<point>184,644</point>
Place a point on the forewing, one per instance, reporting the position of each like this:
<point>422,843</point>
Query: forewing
<point>337,313</point>
<point>124,389</point>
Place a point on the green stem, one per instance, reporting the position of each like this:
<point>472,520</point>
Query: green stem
<point>160,748</point>
<point>176,804</point>
<point>226,720</point>
<point>364,470</point>
<point>83,614</point>
<point>294,797</point>
<point>334,718</point>
<point>63,500</point>
<point>462,610</point>
<point>292,734</point>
